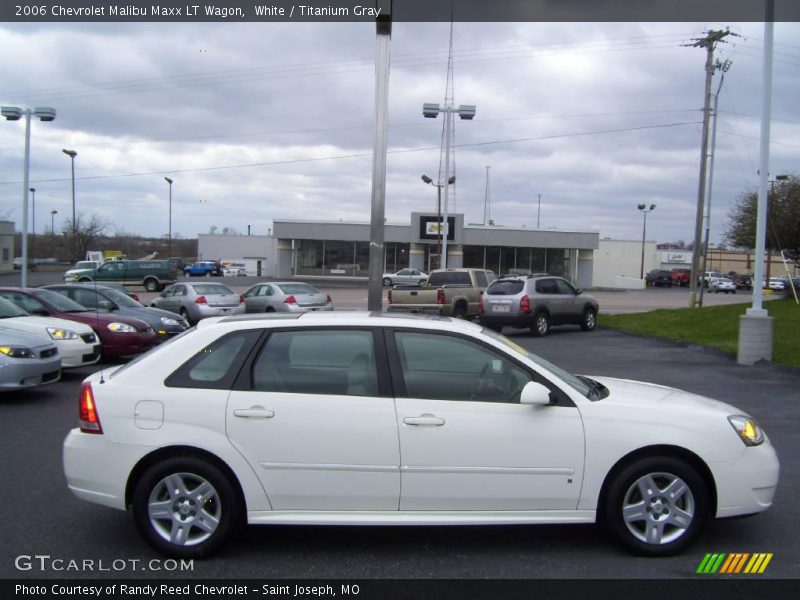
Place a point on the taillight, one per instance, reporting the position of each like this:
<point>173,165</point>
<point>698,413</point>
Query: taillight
<point>525,304</point>
<point>480,304</point>
<point>290,300</point>
<point>330,300</point>
<point>136,297</point>
<point>201,300</point>
<point>87,411</point>
<point>440,296</point>
<point>241,298</point>
<point>389,297</point>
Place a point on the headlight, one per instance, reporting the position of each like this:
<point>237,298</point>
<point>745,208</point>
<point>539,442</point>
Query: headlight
<point>168,321</point>
<point>121,328</point>
<point>62,334</point>
<point>747,429</point>
<point>17,351</point>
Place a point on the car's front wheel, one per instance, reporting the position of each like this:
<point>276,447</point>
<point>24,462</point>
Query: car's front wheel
<point>656,506</point>
<point>185,507</point>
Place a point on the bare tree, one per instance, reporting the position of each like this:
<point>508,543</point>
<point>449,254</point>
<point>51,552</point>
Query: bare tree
<point>81,238</point>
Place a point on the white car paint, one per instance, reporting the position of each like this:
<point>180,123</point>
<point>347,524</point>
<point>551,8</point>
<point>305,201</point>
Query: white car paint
<point>303,458</point>
<point>72,351</point>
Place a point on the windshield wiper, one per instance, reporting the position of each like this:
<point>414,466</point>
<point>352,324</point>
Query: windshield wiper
<point>596,389</point>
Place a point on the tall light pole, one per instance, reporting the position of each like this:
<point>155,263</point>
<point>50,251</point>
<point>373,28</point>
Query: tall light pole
<point>645,210</point>
<point>53,214</point>
<point>33,219</point>
<point>72,154</point>
<point>465,112</point>
<point>438,187</point>
<point>169,238</point>
<point>14,113</point>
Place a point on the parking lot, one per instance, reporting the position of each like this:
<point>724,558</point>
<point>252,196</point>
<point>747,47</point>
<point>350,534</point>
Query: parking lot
<point>44,518</point>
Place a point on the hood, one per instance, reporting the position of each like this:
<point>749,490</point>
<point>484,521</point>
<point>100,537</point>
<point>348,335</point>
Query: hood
<point>637,394</point>
<point>91,317</point>
<point>33,322</point>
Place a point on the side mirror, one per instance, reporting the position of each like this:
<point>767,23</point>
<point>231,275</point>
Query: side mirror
<point>536,394</point>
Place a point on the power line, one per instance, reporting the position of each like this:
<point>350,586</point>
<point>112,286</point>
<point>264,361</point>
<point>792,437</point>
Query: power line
<point>360,155</point>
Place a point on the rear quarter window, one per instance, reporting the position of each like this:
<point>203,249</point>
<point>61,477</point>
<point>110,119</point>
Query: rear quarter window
<point>215,366</point>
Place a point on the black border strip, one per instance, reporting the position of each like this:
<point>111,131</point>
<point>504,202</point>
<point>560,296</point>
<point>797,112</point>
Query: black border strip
<point>706,11</point>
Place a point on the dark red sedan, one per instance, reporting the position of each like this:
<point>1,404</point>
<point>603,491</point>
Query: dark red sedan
<point>120,336</point>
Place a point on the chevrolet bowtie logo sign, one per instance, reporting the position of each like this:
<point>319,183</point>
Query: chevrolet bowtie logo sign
<point>734,563</point>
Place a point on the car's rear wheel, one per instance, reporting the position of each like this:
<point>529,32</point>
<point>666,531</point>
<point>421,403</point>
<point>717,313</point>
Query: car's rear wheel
<point>185,314</point>
<point>387,282</point>
<point>589,319</point>
<point>186,507</point>
<point>541,324</point>
<point>656,506</point>
<point>151,285</point>
<point>459,311</point>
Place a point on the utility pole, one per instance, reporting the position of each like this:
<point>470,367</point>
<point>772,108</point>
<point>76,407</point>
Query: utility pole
<point>709,43</point>
<point>721,66</point>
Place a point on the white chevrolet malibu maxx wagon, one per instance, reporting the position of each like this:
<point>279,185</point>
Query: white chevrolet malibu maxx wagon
<point>363,419</point>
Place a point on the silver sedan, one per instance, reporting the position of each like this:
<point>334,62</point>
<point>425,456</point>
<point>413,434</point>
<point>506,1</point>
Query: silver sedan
<point>286,296</point>
<point>196,301</point>
<point>405,277</point>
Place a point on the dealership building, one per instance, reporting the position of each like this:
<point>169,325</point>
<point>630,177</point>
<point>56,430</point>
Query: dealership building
<point>341,249</point>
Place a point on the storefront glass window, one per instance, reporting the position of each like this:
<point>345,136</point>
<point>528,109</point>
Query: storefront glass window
<point>308,257</point>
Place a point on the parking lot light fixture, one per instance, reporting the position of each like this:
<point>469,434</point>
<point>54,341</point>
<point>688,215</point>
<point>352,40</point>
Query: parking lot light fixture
<point>466,112</point>
<point>72,154</point>
<point>169,235</point>
<point>438,187</point>
<point>15,113</point>
<point>645,210</point>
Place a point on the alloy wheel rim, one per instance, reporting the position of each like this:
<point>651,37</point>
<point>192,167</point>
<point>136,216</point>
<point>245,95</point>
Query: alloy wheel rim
<point>658,508</point>
<point>184,509</point>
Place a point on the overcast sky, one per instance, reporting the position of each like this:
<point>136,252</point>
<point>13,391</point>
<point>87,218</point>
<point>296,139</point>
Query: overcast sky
<point>258,122</point>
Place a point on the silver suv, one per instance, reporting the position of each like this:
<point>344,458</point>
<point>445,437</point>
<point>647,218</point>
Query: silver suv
<point>537,301</point>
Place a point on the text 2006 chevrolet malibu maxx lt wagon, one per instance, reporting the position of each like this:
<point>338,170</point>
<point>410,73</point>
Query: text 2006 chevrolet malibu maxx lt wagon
<point>364,419</point>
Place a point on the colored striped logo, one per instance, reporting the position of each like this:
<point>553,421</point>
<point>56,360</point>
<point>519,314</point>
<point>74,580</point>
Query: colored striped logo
<point>735,563</point>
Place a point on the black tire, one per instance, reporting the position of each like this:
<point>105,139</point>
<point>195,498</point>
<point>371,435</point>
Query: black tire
<point>387,282</point>
<point>185,314</point>
<point>541,324</point>
<point>459,311</point>
<point>643,513</point>
<point>85,279</point>
<point>422,281</point>
<point>151,285</point>
<point>177,522</point>
<point>589,319</point>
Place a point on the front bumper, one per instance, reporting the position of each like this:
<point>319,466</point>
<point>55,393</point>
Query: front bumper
<point>30,373</point>
<point>746,484</point>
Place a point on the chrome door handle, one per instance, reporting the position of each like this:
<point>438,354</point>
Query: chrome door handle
<point>424,420</point>
<point>256,412</point>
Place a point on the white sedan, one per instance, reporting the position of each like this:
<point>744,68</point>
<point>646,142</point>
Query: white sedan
<point>77,343</point>
<point>405,277</point>
<point>349,418</point>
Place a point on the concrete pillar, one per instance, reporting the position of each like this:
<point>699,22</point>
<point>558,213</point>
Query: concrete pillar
<point>455,256</point>
<point>755,339</point>
<point>285,259</point>
<point>416,257</point>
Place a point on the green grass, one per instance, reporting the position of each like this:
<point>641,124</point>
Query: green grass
<point>716,326</point>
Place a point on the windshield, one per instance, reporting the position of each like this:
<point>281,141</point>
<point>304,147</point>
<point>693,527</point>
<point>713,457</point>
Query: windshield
<point>8,310</point>
<point>580,384</point>
<point>59,302</point>
<point>122,299</point>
